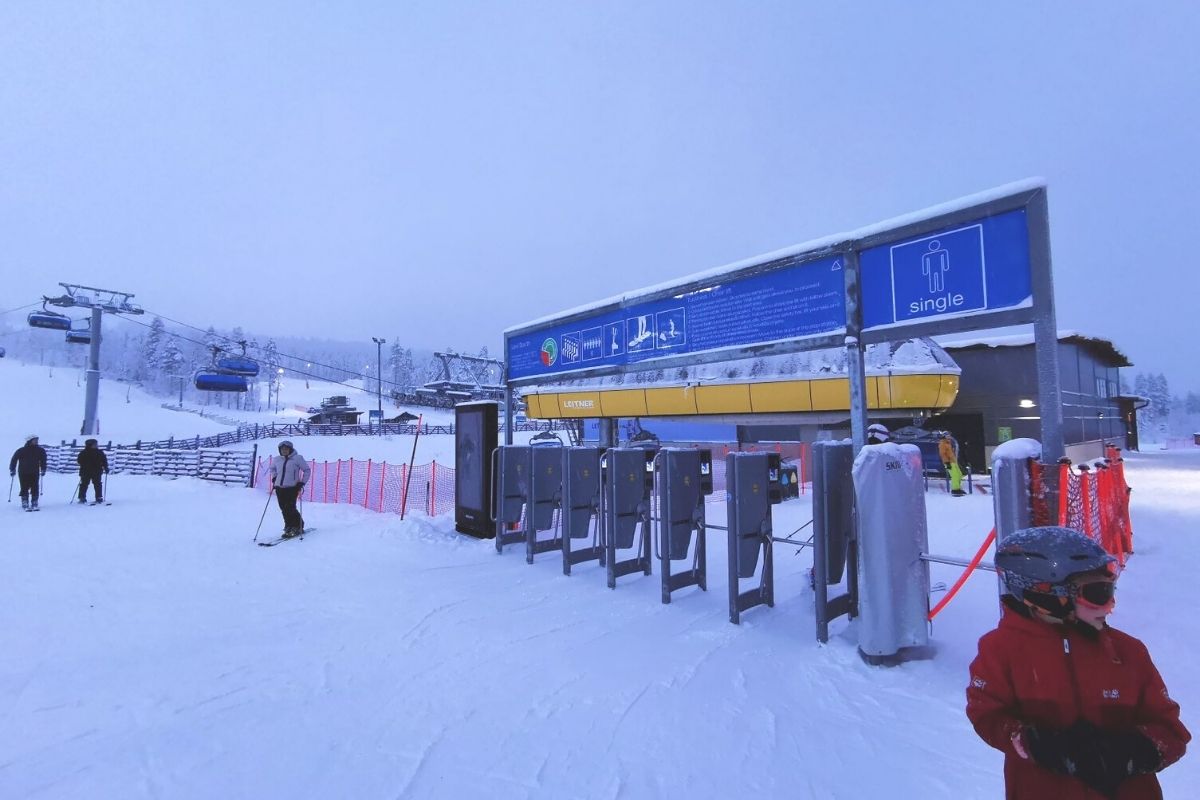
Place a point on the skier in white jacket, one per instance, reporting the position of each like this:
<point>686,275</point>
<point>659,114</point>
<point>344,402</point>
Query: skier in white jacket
<point>289,471</point>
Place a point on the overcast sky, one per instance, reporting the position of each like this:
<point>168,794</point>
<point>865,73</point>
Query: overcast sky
<point>440,171</point>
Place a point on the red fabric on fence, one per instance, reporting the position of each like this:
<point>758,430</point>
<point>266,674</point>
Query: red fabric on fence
<point>379,487</point>
<point>1095,502</point>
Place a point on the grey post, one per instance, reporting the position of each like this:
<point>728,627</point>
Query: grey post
<point>855,368</point>
<point>1010,493</point>
<point>92,397</point>
<point>1045,328</point>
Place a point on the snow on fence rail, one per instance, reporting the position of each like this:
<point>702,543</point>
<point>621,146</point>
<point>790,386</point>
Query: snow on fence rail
<point>377,486</point>
<point>221,466</point>
<point>250,433</point>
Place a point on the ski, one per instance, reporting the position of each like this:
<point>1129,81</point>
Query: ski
<point>283,539</point>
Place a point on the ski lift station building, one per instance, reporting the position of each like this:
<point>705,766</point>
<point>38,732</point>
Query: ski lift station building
<point>813,341</point>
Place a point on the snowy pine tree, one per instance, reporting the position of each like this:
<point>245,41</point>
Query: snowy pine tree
<point>149,368</point>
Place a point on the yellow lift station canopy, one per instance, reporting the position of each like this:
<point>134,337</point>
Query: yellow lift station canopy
<point>908,377</point>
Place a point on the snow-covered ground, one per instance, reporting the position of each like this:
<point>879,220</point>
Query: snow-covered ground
<point>149,650</point>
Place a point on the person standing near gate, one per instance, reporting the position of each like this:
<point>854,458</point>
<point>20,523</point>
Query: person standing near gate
<point>29,465</point>
<point>93,462</point>
<point>289,471</point>
<point>950,460</point>
<point>1076,706</point>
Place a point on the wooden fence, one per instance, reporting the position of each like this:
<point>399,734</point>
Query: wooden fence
<point>221,466</point>
<point>250,433</point>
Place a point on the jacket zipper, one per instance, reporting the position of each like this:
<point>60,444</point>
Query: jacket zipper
<point>283,471</point>
<point>1074,678</point>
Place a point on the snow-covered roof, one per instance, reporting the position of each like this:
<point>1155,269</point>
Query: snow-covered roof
<point>1100,347</point>
<point>812,246</point>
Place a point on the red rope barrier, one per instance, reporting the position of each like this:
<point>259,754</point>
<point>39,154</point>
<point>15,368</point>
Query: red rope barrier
<point>983,548</point>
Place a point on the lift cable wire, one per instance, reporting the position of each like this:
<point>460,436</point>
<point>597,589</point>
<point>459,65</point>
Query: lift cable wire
<point>22,308</point>
<point>291,370</point>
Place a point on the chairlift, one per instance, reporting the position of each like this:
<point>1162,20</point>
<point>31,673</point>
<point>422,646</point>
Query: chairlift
<point>237,365</point>
<point>49,319</point>
<point>546,439</point>
<point>80,332</point>
<point>209,381</point>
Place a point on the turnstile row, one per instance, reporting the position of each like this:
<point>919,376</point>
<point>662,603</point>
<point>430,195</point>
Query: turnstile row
<point>636,504</point>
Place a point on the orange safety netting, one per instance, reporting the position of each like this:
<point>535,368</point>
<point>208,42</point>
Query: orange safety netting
<point>1091,499</point>
<point>378,486</point>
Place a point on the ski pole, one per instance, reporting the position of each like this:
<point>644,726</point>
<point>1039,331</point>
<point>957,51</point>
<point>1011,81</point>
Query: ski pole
<point>106,498</point>
<point>11,478</point>
<point>264,514</point>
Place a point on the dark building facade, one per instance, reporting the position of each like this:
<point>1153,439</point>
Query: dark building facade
<point>998,396</point>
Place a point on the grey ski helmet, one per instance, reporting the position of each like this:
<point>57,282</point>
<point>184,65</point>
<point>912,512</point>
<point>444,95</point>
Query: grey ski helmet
<point>877,433</point>
<point>31,437</point>
<point>287,443</point>
<point>1037,565</point>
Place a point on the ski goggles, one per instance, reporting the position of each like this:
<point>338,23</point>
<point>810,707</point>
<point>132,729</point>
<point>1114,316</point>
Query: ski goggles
<point>1099,593</point>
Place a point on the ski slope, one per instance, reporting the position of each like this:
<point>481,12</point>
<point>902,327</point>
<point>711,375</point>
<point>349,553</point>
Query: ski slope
<point>151,650</point>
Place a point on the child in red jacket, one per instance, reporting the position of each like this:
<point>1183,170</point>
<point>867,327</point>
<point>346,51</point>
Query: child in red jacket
<point>1076,706</point>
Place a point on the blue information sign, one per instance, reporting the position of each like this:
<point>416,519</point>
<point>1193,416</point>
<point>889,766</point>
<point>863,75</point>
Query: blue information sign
<point>971,268</point>
<point>785,303</point>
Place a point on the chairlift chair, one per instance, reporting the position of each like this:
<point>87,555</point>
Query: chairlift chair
<point>210,381</point>
<point>546,439</point>
<point>80,335</point>
<point>49,319</point>
<point>237,365</point>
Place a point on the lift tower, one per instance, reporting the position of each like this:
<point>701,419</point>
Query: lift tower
<point>100,301</point>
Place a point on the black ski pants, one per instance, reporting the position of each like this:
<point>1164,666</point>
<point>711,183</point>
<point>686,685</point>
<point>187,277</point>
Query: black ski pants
<point>29,485</point>
<point>286,497</point>
<point>93,478</point>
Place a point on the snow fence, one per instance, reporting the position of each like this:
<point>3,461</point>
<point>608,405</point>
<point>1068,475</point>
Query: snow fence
<point>374,485</point>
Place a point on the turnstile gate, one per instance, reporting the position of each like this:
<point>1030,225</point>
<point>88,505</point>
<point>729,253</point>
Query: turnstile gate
<point>581,500</point>
<point>752,481</point>
<point>684,479</point>
<point>626,507</point>
<point>528,482</point>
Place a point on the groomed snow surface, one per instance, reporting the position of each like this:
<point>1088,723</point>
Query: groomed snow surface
<point>151,650</point>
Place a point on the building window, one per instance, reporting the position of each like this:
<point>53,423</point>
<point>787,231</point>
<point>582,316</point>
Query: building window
<point>1101,387</point>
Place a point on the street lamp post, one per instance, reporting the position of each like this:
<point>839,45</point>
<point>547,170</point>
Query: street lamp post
<point>379,343</point>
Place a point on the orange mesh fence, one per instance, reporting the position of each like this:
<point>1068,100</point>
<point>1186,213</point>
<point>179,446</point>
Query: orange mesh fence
<point>374,485</point>
<point>1094,501</point>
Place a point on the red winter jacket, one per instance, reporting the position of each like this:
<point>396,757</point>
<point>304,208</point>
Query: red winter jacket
<point>1030,672</point>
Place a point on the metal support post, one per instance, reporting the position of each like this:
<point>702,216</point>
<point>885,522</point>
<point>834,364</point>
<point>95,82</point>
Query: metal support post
<point>91,425</point>
<point>855,367</point>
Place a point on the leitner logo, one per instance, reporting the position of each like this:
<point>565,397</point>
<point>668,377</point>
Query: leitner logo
<point>579,403</point>
<point>549,352</point>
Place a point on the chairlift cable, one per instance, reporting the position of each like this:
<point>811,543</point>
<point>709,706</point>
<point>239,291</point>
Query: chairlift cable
<point>279,353</point>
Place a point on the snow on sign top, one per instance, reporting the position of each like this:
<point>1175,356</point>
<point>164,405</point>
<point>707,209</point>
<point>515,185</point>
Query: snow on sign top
<point>955,266</point>
<point>810,247</point>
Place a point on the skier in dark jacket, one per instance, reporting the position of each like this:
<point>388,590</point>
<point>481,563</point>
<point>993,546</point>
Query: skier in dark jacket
<point>29,464</point>
<point>1077,707</point>
<point>93,462</point>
